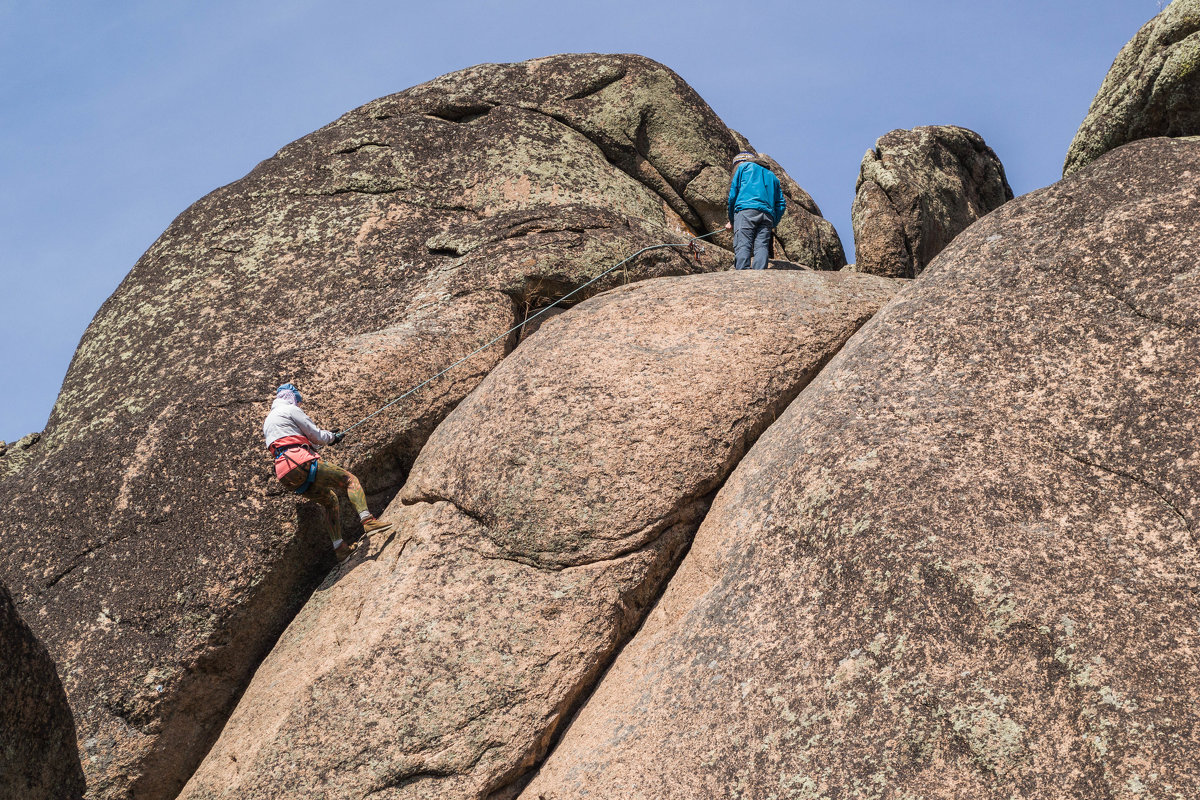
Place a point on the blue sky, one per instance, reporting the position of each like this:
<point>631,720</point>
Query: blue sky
<point>117,116</point>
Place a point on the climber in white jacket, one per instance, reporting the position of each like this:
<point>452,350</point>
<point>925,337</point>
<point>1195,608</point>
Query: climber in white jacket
<point>293,441</point>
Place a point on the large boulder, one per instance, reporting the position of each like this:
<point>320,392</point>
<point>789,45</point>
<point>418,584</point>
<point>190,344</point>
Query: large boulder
<point>143,539</point>
<point>964,563</point>
<point>536,528</point>
<point>38,756</point>
<point>917,190</point>
<point>1152,88</point>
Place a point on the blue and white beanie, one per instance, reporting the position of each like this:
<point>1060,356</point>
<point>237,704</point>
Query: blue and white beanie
<point>743,157</point>
<point>289,394</point>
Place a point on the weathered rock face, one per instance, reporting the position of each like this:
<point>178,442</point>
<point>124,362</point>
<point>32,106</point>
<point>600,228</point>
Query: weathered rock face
<point>535,529</point>
<point>645,121</point>
<point>145,541</point>
<point>1152,88</point>
<point>16,455</point>
<point>916,191</point>
<point>38,757</point>
<point>964,562</point>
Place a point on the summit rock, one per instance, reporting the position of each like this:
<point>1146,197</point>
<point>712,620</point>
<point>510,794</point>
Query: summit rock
<point>1152,88</point>
<point>918,189</point>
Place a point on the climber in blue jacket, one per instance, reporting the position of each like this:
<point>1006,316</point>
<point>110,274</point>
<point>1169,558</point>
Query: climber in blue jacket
<point>755,206</point>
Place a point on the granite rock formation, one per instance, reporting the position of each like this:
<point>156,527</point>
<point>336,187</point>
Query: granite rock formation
<point>536,528</point>
<point>16,455</point>
<point>916,191</point>
<point>964,562</point>
<point>38,756</point>
<point>1152,89</point>
<point>143,538</point>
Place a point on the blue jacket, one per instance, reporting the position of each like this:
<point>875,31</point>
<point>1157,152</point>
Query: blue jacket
<point>757,187</point>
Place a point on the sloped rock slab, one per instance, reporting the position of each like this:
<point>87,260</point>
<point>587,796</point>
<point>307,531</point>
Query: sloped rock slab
<point>917,190</point>
<point>1152,88</point>
<point>38,757</point>
<point>141,536</point>
<point>537,526</point>
<point>964,562</point>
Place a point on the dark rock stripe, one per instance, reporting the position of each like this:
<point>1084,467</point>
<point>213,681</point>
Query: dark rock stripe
<point>38,757</point>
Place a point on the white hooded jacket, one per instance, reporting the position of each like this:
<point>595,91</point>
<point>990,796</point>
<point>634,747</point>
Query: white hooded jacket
<point>286,419</point>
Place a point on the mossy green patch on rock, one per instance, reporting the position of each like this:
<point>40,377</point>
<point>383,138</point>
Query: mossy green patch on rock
<point>1152,89</point>
<point>19,454</point>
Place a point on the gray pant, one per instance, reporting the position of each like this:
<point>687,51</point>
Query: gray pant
<point>751,238</point>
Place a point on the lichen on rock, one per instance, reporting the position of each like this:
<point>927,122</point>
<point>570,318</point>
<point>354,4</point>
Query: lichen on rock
<point>1152,88</point>
<point>917,190</point>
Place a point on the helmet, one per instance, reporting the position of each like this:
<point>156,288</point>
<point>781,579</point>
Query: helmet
<point>289,387</point>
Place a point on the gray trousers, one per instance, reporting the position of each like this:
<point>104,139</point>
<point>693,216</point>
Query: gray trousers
<point>751,238</point>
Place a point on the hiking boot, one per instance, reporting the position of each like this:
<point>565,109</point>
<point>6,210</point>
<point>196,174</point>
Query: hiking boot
<point>372,525</point>
<point>342,549</point>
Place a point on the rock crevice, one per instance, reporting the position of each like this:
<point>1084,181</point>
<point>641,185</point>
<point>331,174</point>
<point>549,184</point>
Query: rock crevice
<point>38,756</point>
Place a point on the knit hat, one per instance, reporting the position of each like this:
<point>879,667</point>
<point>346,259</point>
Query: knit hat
<point>745,155</point>
<point>289,393</point>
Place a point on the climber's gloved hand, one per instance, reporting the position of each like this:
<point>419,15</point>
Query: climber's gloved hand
<point>338,436</point>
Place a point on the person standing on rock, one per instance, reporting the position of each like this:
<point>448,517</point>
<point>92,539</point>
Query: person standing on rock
<point>293,440</point>
<point>755,206</point>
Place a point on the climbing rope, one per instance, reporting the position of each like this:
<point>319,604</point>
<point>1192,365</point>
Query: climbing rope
<point>690,244</point>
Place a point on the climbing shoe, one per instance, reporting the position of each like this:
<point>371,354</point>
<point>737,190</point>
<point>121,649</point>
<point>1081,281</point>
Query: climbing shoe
<point>342,549</point>
<point>372,525</point>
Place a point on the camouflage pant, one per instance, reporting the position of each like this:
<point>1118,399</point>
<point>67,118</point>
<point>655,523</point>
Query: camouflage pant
<point>330,480</point>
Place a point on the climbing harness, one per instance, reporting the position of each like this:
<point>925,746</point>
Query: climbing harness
<point>291,453</point>
<point>310,479</point>
<point>690,245</point>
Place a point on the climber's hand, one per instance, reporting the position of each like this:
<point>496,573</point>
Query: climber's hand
<point>338,436</point>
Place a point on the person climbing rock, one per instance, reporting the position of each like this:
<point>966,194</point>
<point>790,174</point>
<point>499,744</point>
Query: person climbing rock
<point>755,206</point>
<point>293,441</point>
